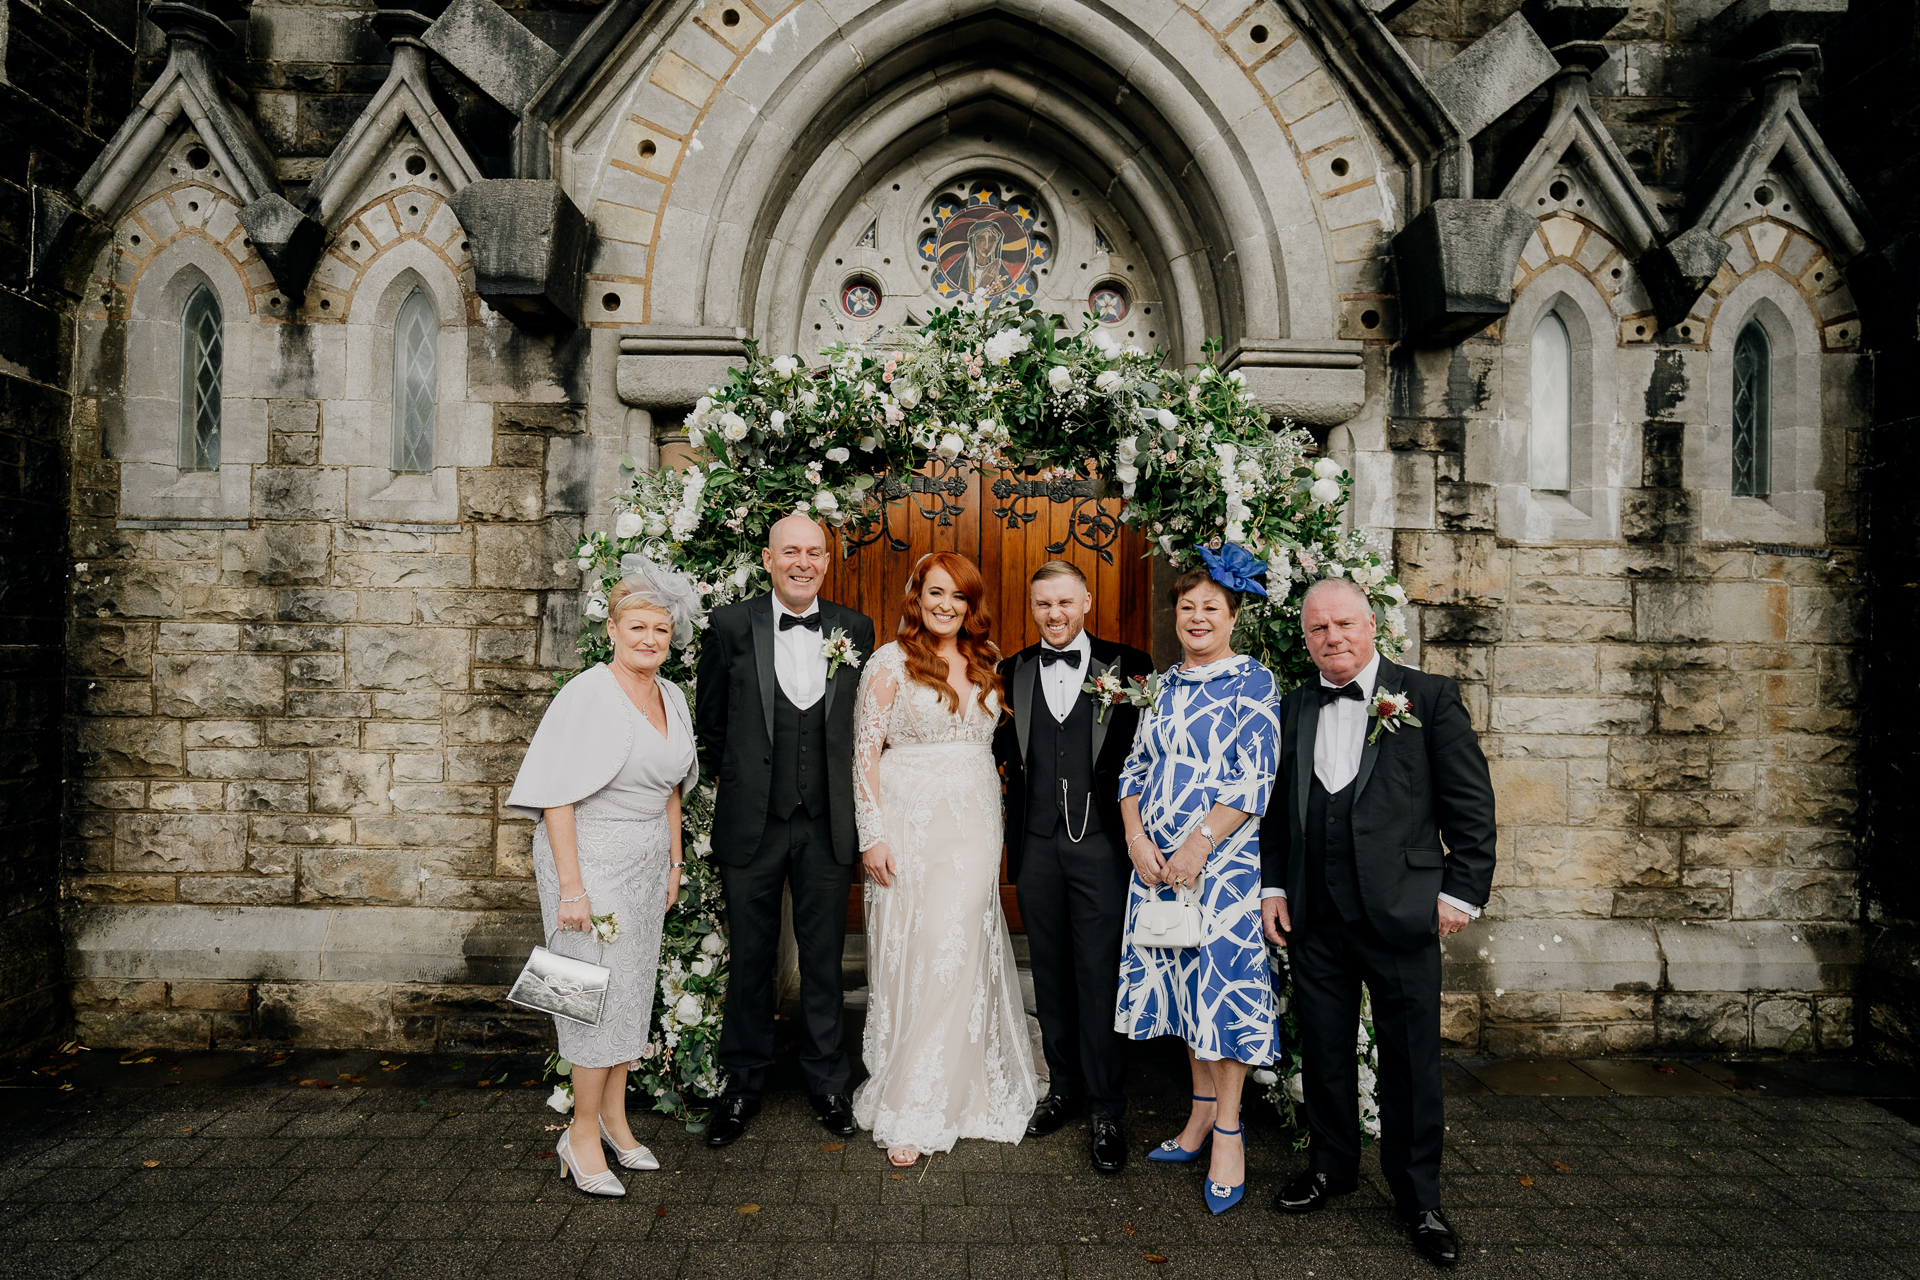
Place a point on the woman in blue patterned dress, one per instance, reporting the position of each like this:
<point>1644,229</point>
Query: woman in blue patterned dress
<point>1202,766</point>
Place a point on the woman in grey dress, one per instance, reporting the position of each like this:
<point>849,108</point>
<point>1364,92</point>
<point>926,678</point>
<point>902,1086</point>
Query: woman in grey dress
<point>604,775</point>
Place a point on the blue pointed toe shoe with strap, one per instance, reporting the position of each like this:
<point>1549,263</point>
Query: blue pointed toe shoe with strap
<point>1171,1152</point>
<point>1220,1197</point>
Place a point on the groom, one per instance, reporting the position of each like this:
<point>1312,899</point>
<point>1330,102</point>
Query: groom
<point>1062,756</point>
<point>776,724</point>
<point>1356,885</point>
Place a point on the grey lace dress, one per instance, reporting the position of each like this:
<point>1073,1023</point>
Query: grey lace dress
<point>621,835</point>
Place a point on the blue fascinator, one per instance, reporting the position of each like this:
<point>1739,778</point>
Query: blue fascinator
<point>1235,568</point>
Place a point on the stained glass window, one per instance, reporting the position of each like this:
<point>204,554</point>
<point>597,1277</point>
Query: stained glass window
<point>416,333</point>
<point>1550,444</point>
<point>1752,413</point>
<point>201,352</point>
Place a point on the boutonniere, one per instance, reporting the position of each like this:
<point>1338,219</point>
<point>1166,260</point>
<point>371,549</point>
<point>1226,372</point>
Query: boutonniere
<point>1389,710</point>
<point>1109,690</point>
<point>838,648</point>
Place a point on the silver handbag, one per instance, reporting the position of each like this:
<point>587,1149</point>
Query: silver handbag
<point>1178,921</point>
<point>562,986</point>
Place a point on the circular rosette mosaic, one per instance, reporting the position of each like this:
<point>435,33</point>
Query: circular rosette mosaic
<point>986,243</point>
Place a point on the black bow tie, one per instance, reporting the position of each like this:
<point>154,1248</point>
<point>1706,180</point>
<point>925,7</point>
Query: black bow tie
<point>811,622</point>
<point>1050,656</point>
<point>1351,689</point>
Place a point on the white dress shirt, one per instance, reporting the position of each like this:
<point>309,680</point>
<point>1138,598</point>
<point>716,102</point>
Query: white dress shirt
<point>799,657</point>
<point>1338,741</point>
<point>1062,682</point>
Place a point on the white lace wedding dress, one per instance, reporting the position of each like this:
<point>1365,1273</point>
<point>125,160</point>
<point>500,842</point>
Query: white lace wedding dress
<point>946,1037</point>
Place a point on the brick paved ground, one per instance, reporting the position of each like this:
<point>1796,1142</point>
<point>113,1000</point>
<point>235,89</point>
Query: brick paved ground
<point>235,1170</point>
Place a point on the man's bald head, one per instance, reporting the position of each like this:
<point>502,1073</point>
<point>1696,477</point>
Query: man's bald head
<point>797,559</point>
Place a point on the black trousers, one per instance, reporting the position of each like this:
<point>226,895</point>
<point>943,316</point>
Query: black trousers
<point>1073,901</point>
<point>797,851</point>
<point>1330,960</point>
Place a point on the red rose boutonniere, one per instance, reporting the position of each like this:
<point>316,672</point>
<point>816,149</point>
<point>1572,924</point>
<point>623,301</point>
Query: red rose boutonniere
<point>1389,710</point>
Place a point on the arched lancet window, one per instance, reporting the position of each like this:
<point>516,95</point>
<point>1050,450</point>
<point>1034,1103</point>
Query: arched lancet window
<point>416,331</point>
<point>1550,442</point>
<point>201,352</point>
<point>1752,413</point>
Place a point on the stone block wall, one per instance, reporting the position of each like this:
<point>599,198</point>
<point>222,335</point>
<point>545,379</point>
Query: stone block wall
<point>296,712</point>
<point>65,86</point>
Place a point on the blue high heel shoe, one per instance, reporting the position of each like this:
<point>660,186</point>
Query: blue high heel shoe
<point>1171,1152</point>
<point>1221,1198</point>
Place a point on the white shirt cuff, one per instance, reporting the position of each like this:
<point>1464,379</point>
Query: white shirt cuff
<point>1472,911</point>
<point>1272,893</point>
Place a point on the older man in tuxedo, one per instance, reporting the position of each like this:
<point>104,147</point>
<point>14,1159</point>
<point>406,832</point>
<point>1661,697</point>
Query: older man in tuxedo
<point>776,726</point>
<point>1357,885</point>
<point>1061,755</point>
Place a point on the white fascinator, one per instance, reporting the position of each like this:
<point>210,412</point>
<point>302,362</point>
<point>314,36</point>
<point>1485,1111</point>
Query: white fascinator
<point>671,589</point>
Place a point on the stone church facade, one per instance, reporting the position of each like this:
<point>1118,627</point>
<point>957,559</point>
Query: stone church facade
<point>359,313</point>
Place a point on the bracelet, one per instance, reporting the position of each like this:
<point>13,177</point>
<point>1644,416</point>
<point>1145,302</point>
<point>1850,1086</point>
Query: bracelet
<point>676,864</point>
<point>582,896</point>
<point>1213,846</point>
<point>1138,835</point>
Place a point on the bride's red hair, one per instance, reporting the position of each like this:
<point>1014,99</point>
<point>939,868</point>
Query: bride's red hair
<point>924,663</point>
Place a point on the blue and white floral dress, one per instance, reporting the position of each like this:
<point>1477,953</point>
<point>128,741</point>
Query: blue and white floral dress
<point>1213,738</point>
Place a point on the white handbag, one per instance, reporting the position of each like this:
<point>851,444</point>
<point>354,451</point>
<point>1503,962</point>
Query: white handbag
<point>1170,922</point>
<point>564,986</point>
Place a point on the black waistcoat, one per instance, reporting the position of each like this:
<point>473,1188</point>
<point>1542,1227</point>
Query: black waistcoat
<point>1332,881</point>
<point>799,756</point>
<point>1060,751</point>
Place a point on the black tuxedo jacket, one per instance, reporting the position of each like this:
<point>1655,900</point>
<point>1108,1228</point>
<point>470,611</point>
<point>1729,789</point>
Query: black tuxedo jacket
<point>1416,787</point>
<point>733,718</point>
<point>1112,735</point>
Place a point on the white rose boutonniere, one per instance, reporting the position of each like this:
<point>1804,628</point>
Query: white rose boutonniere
<point>606,927</point>
<point>1109,690</point>
<point>838,648</point>
<point>1389,710</point>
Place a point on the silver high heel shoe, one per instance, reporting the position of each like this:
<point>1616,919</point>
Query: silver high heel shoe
<point>594,1184</point>
<point>629,1157</point>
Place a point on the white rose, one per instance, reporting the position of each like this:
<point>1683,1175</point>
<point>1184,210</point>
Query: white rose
<point>1238,378</point>
<point>1396,592</point>
<point>809,398</point>
<point>1107,381</point>
<point>733,427</point>
<point>1326,469</point>
<point>561,1100</point>
<point>784,367</point>
<point>703,966</point>
<point>713,944</point>
<point>703,406</point>
<point>1058,378</point>
<point>1166,420</point>
<point>687,1009</point>
<point>950,446</point>
<point>1325,492</point>
<point>867,444</point>
<point>908,396</point>
<point>655,526</point>
<point>1132,350</point>
<point>1296,1087</point>
<point>1129,448</point>
<point>1127,473</point>
<point>628,525</point>
<point>778,422</point>
<point>838,454</point>
<point>596,606</point>
<point>825,503</point>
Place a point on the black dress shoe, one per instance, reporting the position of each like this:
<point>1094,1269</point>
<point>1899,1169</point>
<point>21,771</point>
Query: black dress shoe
<point>1050,1115</point>
<point>1310,1192</point>
<point>1109,1145</point>
<point>729,1120</point>
<point>1433,1237</point>
<point>836,1113</point>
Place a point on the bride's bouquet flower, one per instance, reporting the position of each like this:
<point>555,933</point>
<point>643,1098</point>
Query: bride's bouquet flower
<point>1389,710</point>
<point>838,648</point>
<point>606,927</point>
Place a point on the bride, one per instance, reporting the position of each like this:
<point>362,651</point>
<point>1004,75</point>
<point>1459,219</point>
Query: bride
<point>946,1037</point>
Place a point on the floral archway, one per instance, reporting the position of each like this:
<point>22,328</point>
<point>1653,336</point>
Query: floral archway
<point>1010,388</point>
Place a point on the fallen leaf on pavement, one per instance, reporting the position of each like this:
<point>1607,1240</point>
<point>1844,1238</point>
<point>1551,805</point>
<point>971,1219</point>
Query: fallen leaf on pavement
<point>1564,1168</point>
<point>1127,1227</point>
<point>1153,1257</point>
<point>1666,1071</point>
<point>149,1164</point>
<point>546,1155</point>
<point>747,1208</point>
<point>898,1177</point>
<point>1549,1077</point>
<point>833,1146</point>
<point>1525,1180</point>
<point>660,1211</point>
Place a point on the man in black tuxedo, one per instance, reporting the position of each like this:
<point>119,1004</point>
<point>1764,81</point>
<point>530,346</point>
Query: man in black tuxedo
<point>1061,757</point>
<point>1356,884</point>
<point>776,726</point>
